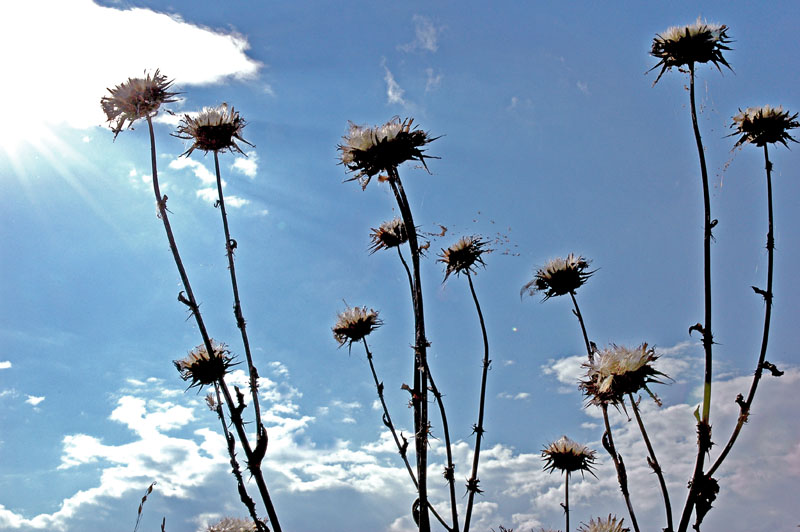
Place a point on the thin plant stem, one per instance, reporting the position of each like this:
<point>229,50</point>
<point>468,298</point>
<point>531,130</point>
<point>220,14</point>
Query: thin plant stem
<point>421,425</point>
<point>566,500</point>
<point>472,483</point>
<point>745,406</point>
<point>230,245</point>
<point>608,439</point>
<point>190,301</point>
<point>704,424</point>
<point>653,463</point>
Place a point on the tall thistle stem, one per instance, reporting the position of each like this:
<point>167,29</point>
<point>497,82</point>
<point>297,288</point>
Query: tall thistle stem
<point>230,245</point>
<point>608,439</point>
<point>190,301</point>
<point>703,425</point>
<point>652,461</point>
<point>472,483</point>
<point>745,406</point>
<point>421,425</point>
<point>566,500</point>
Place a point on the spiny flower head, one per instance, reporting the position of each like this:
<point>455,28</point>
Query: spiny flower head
<point>390,234</point>
<point>370,150</point>
<point>763,125</point>
<point>567,455</point>
<point>213,129</point>
<point>464,255</point>
<point>609,524</point>
<point>204,369</point>
<point>617,371</point>
<point>559,276</point>
<point>232,524</point>
<point>136,98</point>
<point>700,42</point>
<point>353,324</point>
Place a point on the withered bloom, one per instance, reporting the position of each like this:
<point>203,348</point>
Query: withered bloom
<point>463,256</point>
<point>353,324</point>
<point>204,369</point>
<point>764,125</point>
<point>617,371</point>
<point>559,277</point>
<point>136,98</point>
<point>568,456</point>
<point>390,234</point>
<point>370,150</point>
<point>609,524</point>
<point>214,129</point>
<point>685,45</point>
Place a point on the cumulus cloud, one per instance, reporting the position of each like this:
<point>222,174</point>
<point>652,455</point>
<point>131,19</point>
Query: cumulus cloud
<point>55,89</point>
<point>34,400</point>
<point>247,165</point>
<point>425,36</point>
<point>208,186</point>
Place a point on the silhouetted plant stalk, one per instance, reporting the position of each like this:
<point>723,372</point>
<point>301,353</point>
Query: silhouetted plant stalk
<point>568,456</point>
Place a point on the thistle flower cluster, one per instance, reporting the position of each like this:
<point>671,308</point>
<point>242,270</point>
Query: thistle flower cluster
<point>617,371</point>
<point>232,524</point>
<point>463,256</point>
<point>700,42</point>
<point>214,129</point>
<point>203,368</point>
<point>390,234</point>
<point>567,455</point>
<point>609,524</point>
<point>353,324</point>
<point>559,277</point>
<point>764,125</point>
<point>370,150</point>
<point>136,98</point>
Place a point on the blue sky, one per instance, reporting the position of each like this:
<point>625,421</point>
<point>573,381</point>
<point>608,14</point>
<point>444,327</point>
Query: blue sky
<point>553,141</point>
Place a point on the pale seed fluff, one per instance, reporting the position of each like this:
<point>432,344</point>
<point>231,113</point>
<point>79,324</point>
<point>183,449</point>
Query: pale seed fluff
<point>353,324</point>
<point>618,371</point>
<point>604,524</point>
<point>568,456</point>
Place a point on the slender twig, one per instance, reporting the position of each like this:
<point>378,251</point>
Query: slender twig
<point>230,245</point>
<point>653,463</point>
<point>191,302</point>
<point>608,439</point>
<point>421,425</point>
<point>745,406</point>
<point>472,483</point>
<point>704,424</point>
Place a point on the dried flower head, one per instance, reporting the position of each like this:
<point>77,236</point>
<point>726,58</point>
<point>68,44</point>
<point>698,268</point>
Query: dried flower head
<point>369,150</point>
<point>609,524</point>
<point>559,277</point>
<point>463,256</point>
<point>763,125</point>
<point>567,455</point>
<point>700,42</point>
<point>232,524</point>
<point>203,369</point>
<point>617,371</point>
<point>136,98</point>
<point>390,234</point>
<point>353,324</point>
<point>214,129</point>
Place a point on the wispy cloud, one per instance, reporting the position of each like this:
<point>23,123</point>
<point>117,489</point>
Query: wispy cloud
<point>34,400</point>
<point>208,181</point>
<point>46,96</point>
<point>394,93</point>
<point>247,165</point>
<point>425,36</point>
<point>5,364</point>
<point>433,81</point>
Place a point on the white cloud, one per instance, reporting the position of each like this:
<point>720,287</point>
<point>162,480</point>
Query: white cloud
<point>198,169</point>
<point>583,87</point>
<point>56,90</point>
<point>514,396</point>
<point>5,364</point>
<point>394,93</point>
<point>34,400</point>
<point>247,165</point>
<point>426,36</point>
<point>433,81</point>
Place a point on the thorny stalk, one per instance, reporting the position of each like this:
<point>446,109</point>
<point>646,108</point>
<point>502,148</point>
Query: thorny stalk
<point>566,500</point>
<point>745,406</point>
<point>652,461</point>
<point>420,390</point>
<point>190,301</point>
<point>703,425</point>
<point>472,483</point>
<point>608,439</point>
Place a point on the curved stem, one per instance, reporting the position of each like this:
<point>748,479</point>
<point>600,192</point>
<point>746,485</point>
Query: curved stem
<point>450,471</point>
<point>566,500</point>
<point>230,245</point>
<point>472,484</point>
<point>190,301</point>
<point>577,312</point>
<point>421,425</point>
<point>703,426</point>
<point>745,407</point>
<point>653,462</point>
